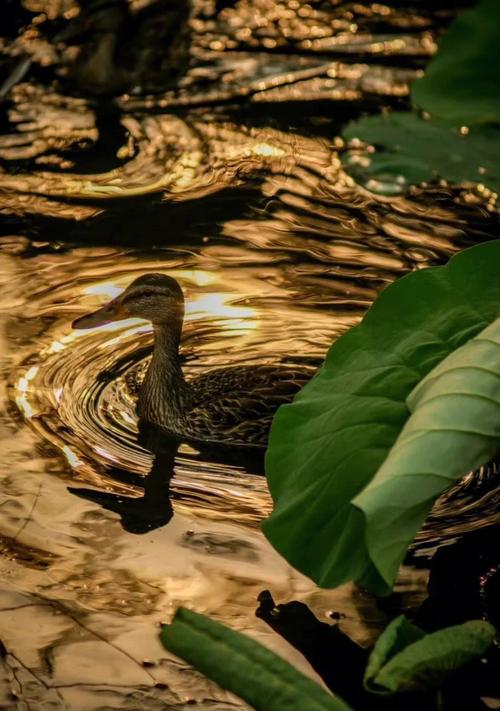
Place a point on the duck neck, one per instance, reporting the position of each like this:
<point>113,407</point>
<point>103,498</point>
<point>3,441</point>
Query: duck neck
<point>165,394</point>
<point>96,61</point>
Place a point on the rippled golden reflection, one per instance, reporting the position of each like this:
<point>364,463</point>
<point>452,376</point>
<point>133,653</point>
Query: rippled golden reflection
<point>62,389</point>
<point>231,181</point>
<point>214,307</point>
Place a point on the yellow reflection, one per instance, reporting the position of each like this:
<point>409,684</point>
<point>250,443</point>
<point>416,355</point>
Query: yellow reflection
<point>128,418</point>
<point>22,387</point>
<point>233,320</point>
<point>24,406</point>
<point>138,326</point>
<point>268,151</point>
<point>73,459</point>
<point>107,455</point>
<point>195,276</point>
<point>31,373</point>
<point>55,347</point>
<point>214,305</point>
<point>218,305</point>
<point>105,288</point>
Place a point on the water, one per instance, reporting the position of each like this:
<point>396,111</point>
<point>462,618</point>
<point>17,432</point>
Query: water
<point>278,253</point>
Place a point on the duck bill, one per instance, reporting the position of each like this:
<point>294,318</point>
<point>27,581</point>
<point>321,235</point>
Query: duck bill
<point>114,311</point>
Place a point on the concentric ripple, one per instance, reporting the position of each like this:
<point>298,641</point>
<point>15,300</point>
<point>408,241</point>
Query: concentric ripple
<point>231,181</point>
<point>78,390</point>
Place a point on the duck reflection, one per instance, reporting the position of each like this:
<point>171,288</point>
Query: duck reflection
<point>153,509</point>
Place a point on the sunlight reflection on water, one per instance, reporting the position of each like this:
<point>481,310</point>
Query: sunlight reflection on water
<point>278,253</point>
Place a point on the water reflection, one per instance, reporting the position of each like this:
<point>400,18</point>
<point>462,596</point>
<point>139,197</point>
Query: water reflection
<point>79,391</point>
<point>278,253</point>
<point>153,509</point>
<point>296,267</point>
<point>82,395</point>
<point>265,50</point>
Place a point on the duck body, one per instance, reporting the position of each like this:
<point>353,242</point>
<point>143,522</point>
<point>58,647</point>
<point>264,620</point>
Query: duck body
<point>228,406</point>
<point>124,50</point>
<point>233,405</point>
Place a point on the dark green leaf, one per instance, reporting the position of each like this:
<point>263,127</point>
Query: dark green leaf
<point>454,428</point>
<point>423,661</point>
<point>397,636</point>
<point>462,83</point>
<point>411,150</point>
<point>460,87</point>
<point>326,446</point>
<point>245,667</point>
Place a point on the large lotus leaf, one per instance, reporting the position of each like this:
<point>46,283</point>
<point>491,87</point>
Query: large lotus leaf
<point>410,150</point>
<point>406,659</point>
<point>454,428</point>
<point>327,446</point>
<point>462,83</point>
<point>241,665</point>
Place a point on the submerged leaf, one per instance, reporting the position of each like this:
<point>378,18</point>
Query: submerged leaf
<point>411,151</point>
<point>326,446</point>
<point>422,661</point>
<point>241,665</point>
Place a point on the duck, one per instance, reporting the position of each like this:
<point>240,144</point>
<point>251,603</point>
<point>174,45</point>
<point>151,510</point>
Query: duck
<point>232,405</point>
<point>122,50</point>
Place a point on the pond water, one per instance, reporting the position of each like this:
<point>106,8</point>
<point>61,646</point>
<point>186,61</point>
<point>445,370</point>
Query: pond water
<point>233,184</point>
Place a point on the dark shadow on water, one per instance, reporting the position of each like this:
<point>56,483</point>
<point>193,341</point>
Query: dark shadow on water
<point>341,663</point>
<point>154,509</point>
<point>147,512</point>
<point>464,581</point>
<point>147,220</point>
<point>338,660</point>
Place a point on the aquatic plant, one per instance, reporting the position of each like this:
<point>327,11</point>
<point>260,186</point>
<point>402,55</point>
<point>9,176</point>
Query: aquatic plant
<point>403,658</point>
<point>462,84</point>
<point>411,151</point>
<point>457,137</point>
<point>245,667</point>
<point>404,405</point>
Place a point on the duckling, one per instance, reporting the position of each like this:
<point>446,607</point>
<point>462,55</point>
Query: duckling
<point>232,405</point>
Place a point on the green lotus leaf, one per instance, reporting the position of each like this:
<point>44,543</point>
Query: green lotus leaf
<point>462,83</point>
<point>404,658</point>
<point>454,427</point>
<point>410,151</point>
<point>241,665</point>
<point>460,88</point>
<point>336,517</point>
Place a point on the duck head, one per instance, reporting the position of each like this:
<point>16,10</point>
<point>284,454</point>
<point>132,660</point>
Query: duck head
<point>153,297</point>
<point>96,17</point>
